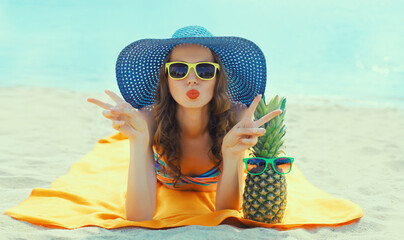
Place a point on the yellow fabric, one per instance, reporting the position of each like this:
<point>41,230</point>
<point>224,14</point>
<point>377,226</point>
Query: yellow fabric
<point>93,193</point>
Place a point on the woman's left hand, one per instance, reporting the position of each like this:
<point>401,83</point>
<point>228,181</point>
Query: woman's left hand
<point>246,132</point>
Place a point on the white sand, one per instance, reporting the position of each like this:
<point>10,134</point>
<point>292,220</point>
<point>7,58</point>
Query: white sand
<point>351,152</point>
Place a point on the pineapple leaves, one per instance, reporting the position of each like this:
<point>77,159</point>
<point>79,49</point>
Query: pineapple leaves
<point>247,131</point>
<point>270,145</point>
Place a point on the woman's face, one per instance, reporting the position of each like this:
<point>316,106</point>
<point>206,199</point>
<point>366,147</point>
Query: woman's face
<point>191,53</point>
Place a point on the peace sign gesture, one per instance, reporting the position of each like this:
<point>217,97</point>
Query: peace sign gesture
<point>246,132</point>
<point>125,118</point>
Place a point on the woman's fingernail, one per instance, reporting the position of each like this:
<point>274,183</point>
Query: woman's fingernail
<point>259,130</point>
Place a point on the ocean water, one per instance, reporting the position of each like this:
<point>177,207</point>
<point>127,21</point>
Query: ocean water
<point>348,51</point>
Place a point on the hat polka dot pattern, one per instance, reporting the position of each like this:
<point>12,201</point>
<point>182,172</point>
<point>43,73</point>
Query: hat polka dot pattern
<point>138,65</point>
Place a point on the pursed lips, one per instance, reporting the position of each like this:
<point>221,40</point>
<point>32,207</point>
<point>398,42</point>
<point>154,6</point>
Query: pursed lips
<point>193,93</point>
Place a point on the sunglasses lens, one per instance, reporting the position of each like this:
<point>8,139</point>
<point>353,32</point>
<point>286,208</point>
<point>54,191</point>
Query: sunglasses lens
<point>205,70</point>
<point>255,165</point>
<point>178,70</point>
<point>282,165</point>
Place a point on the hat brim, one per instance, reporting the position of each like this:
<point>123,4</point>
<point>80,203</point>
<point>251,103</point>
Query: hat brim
<point>138,66</point>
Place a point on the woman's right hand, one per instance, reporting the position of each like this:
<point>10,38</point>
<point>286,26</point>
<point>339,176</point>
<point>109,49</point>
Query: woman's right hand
<point>125,118</point>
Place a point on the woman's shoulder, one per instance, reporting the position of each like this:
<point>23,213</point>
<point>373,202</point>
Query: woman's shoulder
<point>147,113</point>
<point>147,110</point>
<point>238,108</point>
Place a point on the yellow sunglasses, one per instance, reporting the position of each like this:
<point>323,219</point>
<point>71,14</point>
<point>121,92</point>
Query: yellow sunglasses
<point>180,70</point>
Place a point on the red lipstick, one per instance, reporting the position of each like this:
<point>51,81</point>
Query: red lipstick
<point>193,93</point>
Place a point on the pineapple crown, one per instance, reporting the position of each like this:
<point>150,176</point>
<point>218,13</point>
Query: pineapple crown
<point>270,145</point>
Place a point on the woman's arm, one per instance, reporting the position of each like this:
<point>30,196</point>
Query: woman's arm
<point>141,192</point>
<point>241,137</point>
<point>228,194</point>
<point>138,126</point>
<point>230,185</point>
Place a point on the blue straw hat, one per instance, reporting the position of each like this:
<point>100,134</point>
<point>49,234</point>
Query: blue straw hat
<point>138,65</point>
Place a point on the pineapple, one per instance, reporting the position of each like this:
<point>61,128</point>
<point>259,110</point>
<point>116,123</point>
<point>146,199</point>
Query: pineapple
<point>264,197</point>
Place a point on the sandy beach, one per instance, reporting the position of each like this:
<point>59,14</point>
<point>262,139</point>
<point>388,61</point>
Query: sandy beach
<point>352,152</point>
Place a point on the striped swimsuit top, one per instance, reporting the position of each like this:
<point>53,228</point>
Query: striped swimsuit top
<point>210,177</point>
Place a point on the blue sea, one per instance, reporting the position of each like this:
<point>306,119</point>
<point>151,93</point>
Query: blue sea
<point>332,49</point>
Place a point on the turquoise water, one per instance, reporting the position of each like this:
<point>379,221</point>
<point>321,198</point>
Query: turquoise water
<point>348,49</point>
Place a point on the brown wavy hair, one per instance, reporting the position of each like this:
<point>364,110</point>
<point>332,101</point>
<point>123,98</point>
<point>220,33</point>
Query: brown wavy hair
<point>167,135</point>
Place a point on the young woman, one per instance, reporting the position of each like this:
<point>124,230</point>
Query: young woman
<point>192,136</point>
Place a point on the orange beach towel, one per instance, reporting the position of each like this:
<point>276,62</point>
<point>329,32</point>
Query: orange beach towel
<point>93,192</point>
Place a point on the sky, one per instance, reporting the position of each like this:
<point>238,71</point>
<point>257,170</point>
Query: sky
<point>349,49</point>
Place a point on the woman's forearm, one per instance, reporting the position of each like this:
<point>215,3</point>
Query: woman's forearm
<point>141,191</point>
<point>229,193</point>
